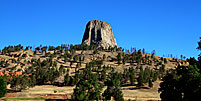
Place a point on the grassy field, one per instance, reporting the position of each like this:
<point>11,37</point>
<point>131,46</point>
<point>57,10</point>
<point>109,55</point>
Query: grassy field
<point>53,92</point>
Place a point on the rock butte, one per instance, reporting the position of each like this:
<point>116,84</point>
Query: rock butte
<point>99,33</point>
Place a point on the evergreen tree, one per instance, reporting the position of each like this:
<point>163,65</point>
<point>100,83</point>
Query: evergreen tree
<point>165,60</point>
<point>169,90</point>
<point>65,58</point>
<point>143,50</point>
<point>66,79</point>
<point>132,75</point>
<point>150,83</point>
<point>88,88</point>
<point>155,76</point>
<point>146,76</point>
<point>113,88</point>
<point>33,81</point>
<point>140,78</point>
<point>119,58</point>
<point>24,82</point>
<point>124,61</point>
<point>3,90</point>
<point>103,75</point>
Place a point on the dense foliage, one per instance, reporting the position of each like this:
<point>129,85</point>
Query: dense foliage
<point>3,90</point>
<point>184,83</point>
<point>88,87</point>
<point>113,87</point>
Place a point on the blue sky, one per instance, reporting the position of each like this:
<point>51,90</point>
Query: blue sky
<point>167,26</point>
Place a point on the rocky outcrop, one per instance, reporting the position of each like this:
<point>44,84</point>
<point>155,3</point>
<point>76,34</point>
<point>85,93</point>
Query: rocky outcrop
<point>99,33</point>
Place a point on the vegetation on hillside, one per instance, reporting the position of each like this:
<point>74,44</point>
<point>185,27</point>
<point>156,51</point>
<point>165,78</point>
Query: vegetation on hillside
<point>183,83</point>
<point>82,66</point>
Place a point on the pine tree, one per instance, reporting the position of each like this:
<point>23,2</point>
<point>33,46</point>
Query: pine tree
<point>113,88</point>
<point>165,60</point>
<point>88,87</point>
<point>119,58</point>
<point>132,75</point>
<point>66,79</point>
<point>103,75</point>
<point>33,81</point>
<point>143,50</point>
<point>3,90</point>
<point>140,79</point>
<point>150,83</point>
<point>124,61</point>
<point>155,76</point>
<point>24,82</point>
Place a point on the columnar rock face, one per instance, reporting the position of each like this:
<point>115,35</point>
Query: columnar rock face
<point>99,33</point>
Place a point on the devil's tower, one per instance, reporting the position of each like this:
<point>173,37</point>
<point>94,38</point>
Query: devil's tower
<point>99,33</point>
